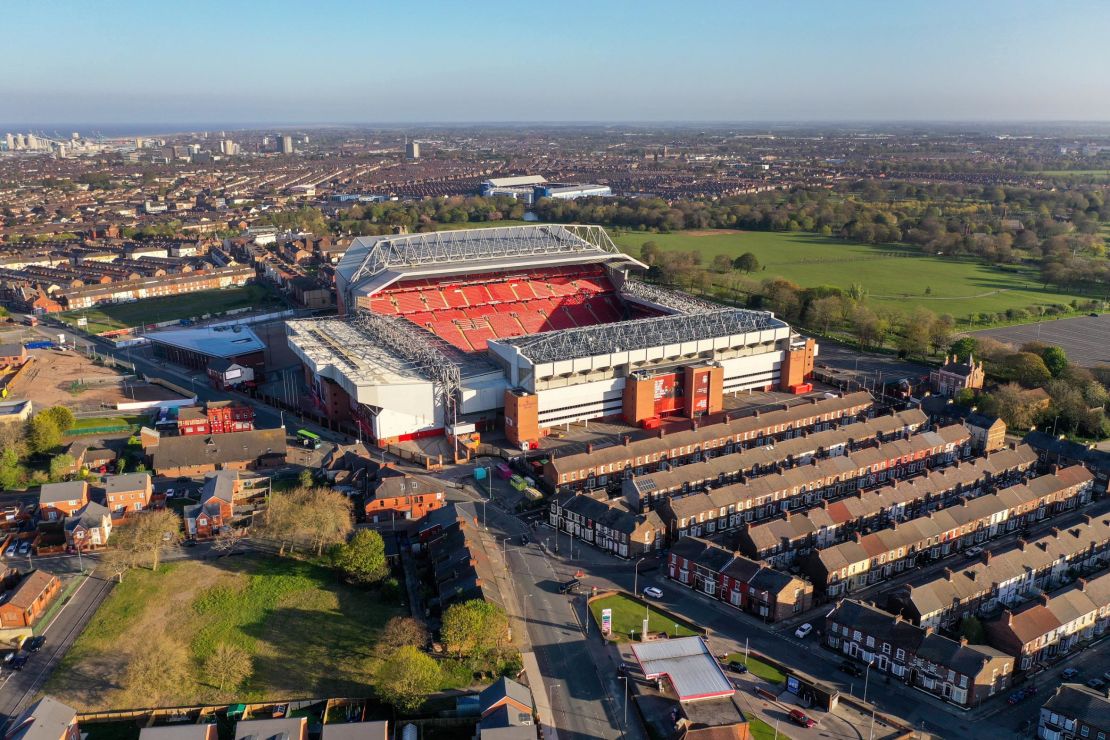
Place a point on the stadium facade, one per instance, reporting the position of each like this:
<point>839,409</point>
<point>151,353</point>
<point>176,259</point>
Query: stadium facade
<point>526,328</point>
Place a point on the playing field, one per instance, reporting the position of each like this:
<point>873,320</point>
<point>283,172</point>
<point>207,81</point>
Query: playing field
<point>893,276</point>
<point>187,306</point>
<point>307,634</point>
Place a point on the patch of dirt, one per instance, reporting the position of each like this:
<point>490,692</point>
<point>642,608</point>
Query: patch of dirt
<point>73,380</point>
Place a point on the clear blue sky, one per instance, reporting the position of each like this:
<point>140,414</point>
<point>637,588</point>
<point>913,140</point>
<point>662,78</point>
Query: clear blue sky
<point>275,61</point>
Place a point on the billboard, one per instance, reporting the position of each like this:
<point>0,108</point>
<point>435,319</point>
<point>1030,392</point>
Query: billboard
<point>667,393</point>
<point>606,621</point>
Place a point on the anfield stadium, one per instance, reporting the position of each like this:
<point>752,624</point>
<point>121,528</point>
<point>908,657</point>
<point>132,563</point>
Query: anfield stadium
<point>525,328</point>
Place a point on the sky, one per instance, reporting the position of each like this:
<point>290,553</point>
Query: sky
<point>423,61</point>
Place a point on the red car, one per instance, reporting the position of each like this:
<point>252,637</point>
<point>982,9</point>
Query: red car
<point>799,717</point>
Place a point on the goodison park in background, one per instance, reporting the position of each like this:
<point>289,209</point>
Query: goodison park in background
<point>526,328</point>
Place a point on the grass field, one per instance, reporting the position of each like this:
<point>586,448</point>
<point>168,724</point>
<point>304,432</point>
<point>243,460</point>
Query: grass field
<point>758,668</point>
<point>155,310</point>
<point>892,277</point>
<point>98,422</point>
<point>628,617</point>
<point>307,634</point>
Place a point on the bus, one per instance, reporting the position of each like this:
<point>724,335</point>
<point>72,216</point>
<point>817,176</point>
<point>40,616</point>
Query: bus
<point>308,439</point>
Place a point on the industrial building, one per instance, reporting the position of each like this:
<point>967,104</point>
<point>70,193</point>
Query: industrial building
<point>526,328</point>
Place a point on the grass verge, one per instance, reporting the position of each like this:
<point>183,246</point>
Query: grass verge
<point>628,617</point>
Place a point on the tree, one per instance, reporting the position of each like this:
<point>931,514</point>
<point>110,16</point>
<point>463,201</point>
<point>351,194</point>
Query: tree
<point>865,326</point>
<point>63,418</point>
<point>650,253</point>
<point>1007,402</point>
<point>406,678</point>
<point>916,331</point>
<point>325,517</point>
<point>228,666</point>
<point>1055,360</point>
<point>362,557</point>
<point>400,632</point>
<point>746,262</point>
<point>304,478</point>
<point>43,436</point>
<point>1027,369</point>
<point>972,629</point>
<point>940,334</point>
<point>721,263</point>
<point>475,628</point>
<point>963,347</point>
<point>150,533</point>
<point>61,466</point>
<point>824,311</point>
<point>159,672</point>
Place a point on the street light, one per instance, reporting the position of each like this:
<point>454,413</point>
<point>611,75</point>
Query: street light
<point>625,679</point>
<point>866,676</point>
<point>636,576</point>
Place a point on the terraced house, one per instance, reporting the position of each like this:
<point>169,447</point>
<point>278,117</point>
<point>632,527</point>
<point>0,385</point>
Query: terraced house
<point>781,541</point>
<point>871,558</point>
<point>702,514</point>
<point>1054,624</point>
<point>607,467</point>
<point>607,525</point>
<point>1008,577</point>
<point>953,670</point>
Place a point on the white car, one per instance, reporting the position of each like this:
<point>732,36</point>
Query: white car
<point>653,593</point>
<point>802,632</point>
<point>10,552</point>
<point>169,493</point>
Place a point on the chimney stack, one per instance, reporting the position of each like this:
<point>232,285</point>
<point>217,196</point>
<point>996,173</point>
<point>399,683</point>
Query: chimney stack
<point>948,574</point>
<point>1044,599</point>
<point>589,448</point>
<point>1008,616</point>
<point>627,440</point>
<point>963,642</point>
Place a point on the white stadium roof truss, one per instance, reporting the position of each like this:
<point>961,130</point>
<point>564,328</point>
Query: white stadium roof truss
<point>475,245</point>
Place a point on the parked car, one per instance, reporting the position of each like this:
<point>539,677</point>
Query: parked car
<point>973,552</point>
<point>798,717</point>
<point>35,644</point>
<point>653,593</point>
<point>737,666</point>
<point>850,668</point>
<point>25,547</point>
<point>524,539</point>
<point>1096,683</point>
<point>1069,673</point>
<point>625,669</point>
<point>19,661</point>
<point>803,632</point>
<point>169,493</point>
<point>12,548</point>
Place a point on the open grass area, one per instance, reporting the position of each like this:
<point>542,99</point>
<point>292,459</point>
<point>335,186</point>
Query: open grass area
<point>628,618</point>
<point>155,310</point>
<point>760,730</point>
<point>308,635</point>
<point>100,422</point>
<point>894,276</point>
<point>758,668</point>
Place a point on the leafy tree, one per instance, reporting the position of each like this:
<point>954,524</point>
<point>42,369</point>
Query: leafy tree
<point>146,537</point>
<point>43,434</point>
<point>399,632</point>
<point>362,557</point>
<point>825,311</point>
<point>61,466</point>
<point>721,263</point>
<point>63,417</point>
<point>650,253</point>
<point>1055,360</point>
<point>475,628</point>
<point>965,397</point>
<point>228,666</point>
<point>304,478</point>
<point>940,333</point>
<point>963,347</point>
<point>746,262</point>
<point>406,678</point>
<point>1027,369</point>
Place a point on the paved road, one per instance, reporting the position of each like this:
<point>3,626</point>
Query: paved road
<point>19,688</point>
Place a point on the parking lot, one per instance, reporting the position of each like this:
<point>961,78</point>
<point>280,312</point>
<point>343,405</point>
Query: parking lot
<point>1085,339</point>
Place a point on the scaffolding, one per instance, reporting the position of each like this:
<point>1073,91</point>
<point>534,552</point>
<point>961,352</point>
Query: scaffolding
<point>474,245</point>
<point>638,334</point>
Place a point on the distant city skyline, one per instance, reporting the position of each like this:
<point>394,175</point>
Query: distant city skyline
<point>274,63</point>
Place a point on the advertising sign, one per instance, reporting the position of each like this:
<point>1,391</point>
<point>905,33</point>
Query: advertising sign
<point>606,621</point>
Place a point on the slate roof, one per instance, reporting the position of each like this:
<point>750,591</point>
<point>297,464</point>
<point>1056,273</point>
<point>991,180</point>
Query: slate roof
<point>52,493</point>
<point>46,719</point>
<point>1082,703</point>
<point>126,482</point>
<point>215,449</point>
<point>89,517</point>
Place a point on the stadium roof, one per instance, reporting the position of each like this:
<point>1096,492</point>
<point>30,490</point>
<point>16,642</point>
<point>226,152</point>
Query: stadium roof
<point>509,182</point>
<point>373,262</point>
<point>216,341</point>
<point>688,664</point>
<point>637,334</point>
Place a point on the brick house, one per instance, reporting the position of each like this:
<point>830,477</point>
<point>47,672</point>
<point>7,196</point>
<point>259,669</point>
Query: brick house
<point>28,599</point>
<point>1053,625</point>
<point>88,528</point>
<point>607,525</point>
<point>954,376</point>
<point>59,500</point>
<point>46,719</point>
<point>204,453</point>
<point>127,494</point>
<point>1075,711</point>
<point>745,584</point>
<point>12,355</point>
<point>955,671</point>
<point>398,495</point>
<point>217,505</point>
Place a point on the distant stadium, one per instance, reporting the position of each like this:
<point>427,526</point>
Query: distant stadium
<point>526,328</point>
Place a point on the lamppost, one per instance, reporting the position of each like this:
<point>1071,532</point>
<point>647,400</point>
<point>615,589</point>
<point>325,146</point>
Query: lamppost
<point>636,576</point>
<point>625,679</point>
<point>866,677</point>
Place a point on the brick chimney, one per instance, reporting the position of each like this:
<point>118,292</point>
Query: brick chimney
<point>1021,543</point>
<point>1044,599</point>
<point>627,440</point>
<point>662,432</point>
<point>590,448</point>
<point>856,537</point>
<point>947,574</point>
<point>1008,616</point>
<point>1081,583</point>
<point>928,631</point>
<point>986,557</point>
<point>963,642</point>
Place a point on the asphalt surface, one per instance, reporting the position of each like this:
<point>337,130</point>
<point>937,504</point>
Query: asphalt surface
<point>1085,340</point>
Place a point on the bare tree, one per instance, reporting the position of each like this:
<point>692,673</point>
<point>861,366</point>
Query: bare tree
<point>228,666</point>
<point>148,534</point>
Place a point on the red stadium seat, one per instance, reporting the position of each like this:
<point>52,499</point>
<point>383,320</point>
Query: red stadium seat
<point>502,292</point>
<point>434,298</point>
<point>454,297</point>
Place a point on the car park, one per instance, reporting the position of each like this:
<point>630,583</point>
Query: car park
<point>653,593</point>
<point>850,668</point>
<point>803,631</point>
<point>801,719</point>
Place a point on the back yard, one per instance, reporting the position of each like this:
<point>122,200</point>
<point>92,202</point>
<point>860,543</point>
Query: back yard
<point>308,635</point>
